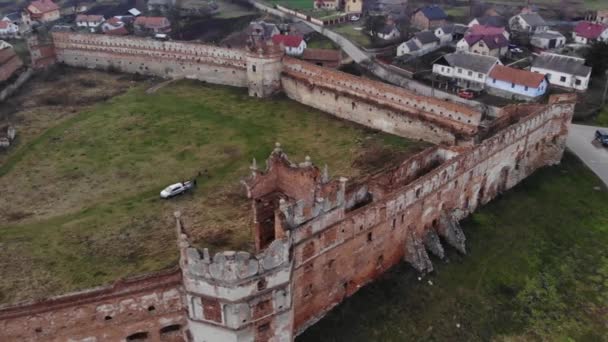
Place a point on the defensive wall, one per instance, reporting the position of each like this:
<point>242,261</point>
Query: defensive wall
<point>264,71</point>
<point>317,239</point>
<point>152,57</point>
<point>148,307</point>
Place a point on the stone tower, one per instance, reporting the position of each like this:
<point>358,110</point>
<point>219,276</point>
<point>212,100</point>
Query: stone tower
<point>263,68</point>
<point>237,296</point>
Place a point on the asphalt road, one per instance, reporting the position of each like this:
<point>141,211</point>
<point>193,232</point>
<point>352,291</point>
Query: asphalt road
<point>595,156</point>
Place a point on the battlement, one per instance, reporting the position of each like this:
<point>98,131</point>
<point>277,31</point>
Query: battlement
<point>452,116</point>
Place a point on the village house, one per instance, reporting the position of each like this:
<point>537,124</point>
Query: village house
<point>14,18</point>
<point>114,26</point>
<point>261,30</point>
<point>428,17</point>
<point>42,11</point>
<point>489,20</point>
<point>151,25</point>
<point>8,30</point>
<point>326,4</point>
<point>485,40</point>
<point>467,69</point>
<point>89,21</point>
<point>450,32</point>
<point>7,135</point>
<point>293,45</point>
<point>10,63</point>
<point>423,42</point>
<point>602,16</point>
<point>515,83</point>
<point>329,58</point>
<point>353,6</point>
<point>548,40</point>
<point>160,5</point>
<point>586,32</point>
<point>563,71</point>
<point>388,32</point>
<point>528,22</point>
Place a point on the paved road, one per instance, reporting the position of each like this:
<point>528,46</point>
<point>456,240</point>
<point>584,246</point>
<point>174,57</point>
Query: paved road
<point>595,156</point>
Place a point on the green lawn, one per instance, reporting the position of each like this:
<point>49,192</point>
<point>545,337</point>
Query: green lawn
<point>80,202</point>
<point>359,37</point>
<point>602,118</point>
<point>294,4</point>
<point>536,270</point>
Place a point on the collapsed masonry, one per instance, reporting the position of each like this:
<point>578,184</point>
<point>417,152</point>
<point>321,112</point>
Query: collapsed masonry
<point>318,240</point>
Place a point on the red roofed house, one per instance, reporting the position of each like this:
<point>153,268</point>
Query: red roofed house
<point>328,58</point>
<point>42,11</point>
<point>114,27</point>
<point>485,40</point>
<point>516,83</point>
<point>585,32</point>
<point>8,29</point>
<point>9,63</point>
<point>147,25</point>
<point>293,45</point>
<point>90,21</point>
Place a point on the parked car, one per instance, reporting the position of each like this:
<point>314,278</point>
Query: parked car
<point>468,94</point>
<point>177,189</point>
<point>602,136</point>
<point>354,17</point>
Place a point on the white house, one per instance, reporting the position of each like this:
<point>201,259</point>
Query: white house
<point>89,21</point>
<point>515,83</point>
<point>294,45</point>
<point>585,32</point>
<point>528,22</point>
<point>468,69</point>
<point>548,40</point>
<point>8,30</point>
<point>422,43</point>
<point>563,71</point>
<point>388,32</point>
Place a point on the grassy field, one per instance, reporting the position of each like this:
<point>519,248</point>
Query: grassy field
<point>536,270</point>
<point>80,202</point>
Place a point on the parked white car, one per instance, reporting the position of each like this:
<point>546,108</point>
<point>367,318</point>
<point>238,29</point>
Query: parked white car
<point>177,189</point>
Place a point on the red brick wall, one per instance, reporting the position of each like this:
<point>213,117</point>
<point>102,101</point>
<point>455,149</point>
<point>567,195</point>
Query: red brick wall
<point>150,304</point>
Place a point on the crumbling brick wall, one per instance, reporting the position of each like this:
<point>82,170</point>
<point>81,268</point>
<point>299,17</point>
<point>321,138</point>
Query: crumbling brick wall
<point>152,57</point>
<point>147,306</point>
<point>378,105</point>
<point>334,258</point>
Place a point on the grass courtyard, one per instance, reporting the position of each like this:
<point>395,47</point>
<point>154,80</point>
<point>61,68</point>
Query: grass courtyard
<point>80,204</point>
<point>536,270</point>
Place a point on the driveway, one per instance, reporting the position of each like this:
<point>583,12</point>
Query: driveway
<point>581,142</point>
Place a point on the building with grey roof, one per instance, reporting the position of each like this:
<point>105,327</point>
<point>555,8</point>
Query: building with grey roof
<point>548,40</point>
<point>469,70</point>
<point>563,71</point>
<point>528,22</point>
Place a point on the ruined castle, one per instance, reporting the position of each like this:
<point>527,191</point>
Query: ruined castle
<point>317,239</point>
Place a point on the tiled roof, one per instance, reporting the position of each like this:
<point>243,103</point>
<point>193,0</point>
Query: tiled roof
<point>517,76</point>
<point>6,54</point>
<point>493,42</point>
<point>533,19</point>
<point>121,31</point>
<point>287,40</point>
<point>589,30</point>
<point>152,22</point>
<point>44,6</point>
<point>549,35</point>
<point>486,30</point>
<point>492,20</point>
<point>4,24</point>
<point>89,18</point>
<point>426,37</point>
<point>433,12</point>
<point>561,63</point>
<point>322,54</point>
